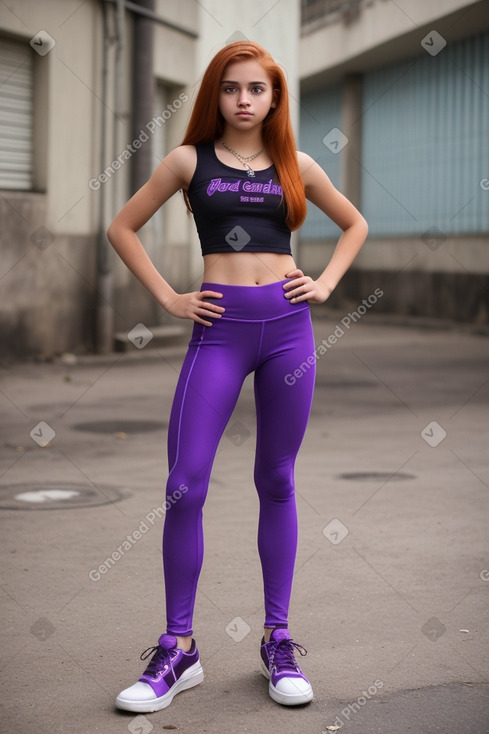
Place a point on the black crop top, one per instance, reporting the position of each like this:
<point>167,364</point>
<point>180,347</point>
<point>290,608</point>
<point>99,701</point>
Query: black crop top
<point>234,212</point>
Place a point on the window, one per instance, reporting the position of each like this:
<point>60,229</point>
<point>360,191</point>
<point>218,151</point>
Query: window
<point>16,115</point>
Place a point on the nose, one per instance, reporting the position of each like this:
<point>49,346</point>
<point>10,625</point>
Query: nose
<point>243,100</point>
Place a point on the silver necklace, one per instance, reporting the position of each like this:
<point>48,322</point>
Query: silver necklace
<point>243,159</point>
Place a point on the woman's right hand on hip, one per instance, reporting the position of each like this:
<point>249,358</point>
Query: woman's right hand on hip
<point>195,306</point>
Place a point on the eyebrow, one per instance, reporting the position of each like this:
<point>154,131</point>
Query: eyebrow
<point>228,81</point>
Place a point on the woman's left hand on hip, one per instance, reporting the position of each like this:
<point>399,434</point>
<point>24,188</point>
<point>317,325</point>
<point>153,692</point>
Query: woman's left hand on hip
<point>303,288</point>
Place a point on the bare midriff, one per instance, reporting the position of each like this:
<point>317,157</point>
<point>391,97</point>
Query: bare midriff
<point>247,268</point>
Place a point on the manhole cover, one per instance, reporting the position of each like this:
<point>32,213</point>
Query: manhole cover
<point>57,496</point>
<point>120,425</point>
<point>376,476</point>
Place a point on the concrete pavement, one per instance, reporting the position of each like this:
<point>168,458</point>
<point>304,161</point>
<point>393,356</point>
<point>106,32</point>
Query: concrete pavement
<point>391,585</point>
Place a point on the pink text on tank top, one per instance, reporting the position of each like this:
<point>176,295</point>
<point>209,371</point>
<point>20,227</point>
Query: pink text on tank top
<point>249,187</point>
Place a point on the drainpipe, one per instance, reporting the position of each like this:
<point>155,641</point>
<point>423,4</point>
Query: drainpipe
<point>119,118</point>
<point>103,308</point>
<point>143,92</point>
<point>104,327</point>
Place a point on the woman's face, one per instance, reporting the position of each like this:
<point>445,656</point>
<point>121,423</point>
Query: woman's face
<point>245,95</point>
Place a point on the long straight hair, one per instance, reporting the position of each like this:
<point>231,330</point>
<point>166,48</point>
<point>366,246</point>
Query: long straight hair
<point>206,122</point>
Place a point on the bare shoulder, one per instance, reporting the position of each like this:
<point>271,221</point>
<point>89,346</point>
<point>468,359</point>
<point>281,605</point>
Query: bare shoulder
<point>181,161</point>
<point>311,172</point>
<point>305,161</point>
<point>309,169</point>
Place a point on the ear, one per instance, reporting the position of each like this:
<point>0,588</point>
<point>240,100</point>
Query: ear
<point>275,98</point>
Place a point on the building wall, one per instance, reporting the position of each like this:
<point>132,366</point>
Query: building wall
<point>46,273</point>
<point>50,291</point>
<point>415,160</point>
<point>167,235</point>
<point>48,239</point>
<point>49,275</point>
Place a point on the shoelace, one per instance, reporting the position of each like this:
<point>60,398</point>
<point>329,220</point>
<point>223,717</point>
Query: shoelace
<point>281,654</point>
<point>160,658</point>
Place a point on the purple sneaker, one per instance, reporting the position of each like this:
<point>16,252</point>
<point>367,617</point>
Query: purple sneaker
<point>288,684</point>
<point>169,671</point>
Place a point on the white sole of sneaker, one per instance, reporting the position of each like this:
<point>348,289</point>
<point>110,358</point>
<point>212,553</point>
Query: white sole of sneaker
<point>192,677</point>
<point>286,699</point>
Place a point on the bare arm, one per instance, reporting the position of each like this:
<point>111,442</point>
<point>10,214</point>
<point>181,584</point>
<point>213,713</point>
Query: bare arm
<point>321,192</point>
<point>173,173</point>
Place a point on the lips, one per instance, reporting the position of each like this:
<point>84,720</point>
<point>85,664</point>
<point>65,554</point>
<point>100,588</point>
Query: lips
<point>244,114</point>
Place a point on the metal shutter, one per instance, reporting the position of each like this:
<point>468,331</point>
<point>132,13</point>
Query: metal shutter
<point>426,142</point>
<point>16,114</point>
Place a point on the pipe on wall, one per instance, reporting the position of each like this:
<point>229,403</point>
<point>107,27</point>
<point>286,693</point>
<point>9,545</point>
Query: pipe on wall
<point>143,93</point>
<point>104,315</point>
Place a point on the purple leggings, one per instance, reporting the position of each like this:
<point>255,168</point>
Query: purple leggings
<point>261,332</point>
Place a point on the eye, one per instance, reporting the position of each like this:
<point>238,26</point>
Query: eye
<point>229,90</point>
<point>257,90</point>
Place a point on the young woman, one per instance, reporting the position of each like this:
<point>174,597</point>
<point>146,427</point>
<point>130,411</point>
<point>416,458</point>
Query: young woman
<point>247,186</point>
